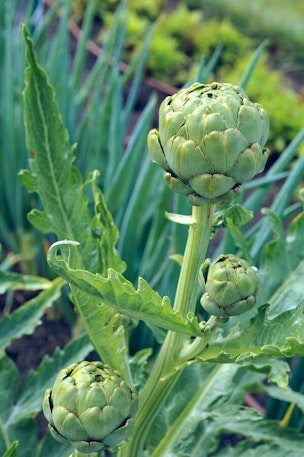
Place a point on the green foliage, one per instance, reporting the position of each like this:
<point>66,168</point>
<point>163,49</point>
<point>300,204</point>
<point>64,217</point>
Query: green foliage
<point>219,361</point>
<point>282,25</point>
<point>285,109</point>
<point>21,403</point>
<point>24,320</point>
<point>114,290</point>
<point>181,37</point>
<point>14,202</point>
<point>227,359</point>
<point>185,35</point>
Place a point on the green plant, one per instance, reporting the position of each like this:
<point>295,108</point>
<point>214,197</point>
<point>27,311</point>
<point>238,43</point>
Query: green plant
<point>181,37</point>
<point>218,359</point>
<point>283,25</point>
<point>184,36</point>
<point>230,286</point>
<point>91,96</point>
<point>285,109</point>
<point>210,141</point>
<point>90,406</point>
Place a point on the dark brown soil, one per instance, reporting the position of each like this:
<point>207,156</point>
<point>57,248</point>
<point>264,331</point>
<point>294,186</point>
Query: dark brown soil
<point>28,351</point>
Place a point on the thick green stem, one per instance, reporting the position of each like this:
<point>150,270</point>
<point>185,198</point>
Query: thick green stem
<point>168,367</point>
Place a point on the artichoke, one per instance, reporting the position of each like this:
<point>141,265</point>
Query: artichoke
<point>230,285</point>
<point>211,140</point>
<point>90,406</point>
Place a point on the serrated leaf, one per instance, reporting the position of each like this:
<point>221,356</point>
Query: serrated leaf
<point>62,194</point>
<point>105,329</point>
<point>247,422</point>
<point>207,387</point>
<point>277,329</point>
<point>286,395</point>
<point>204,430</point>
<point>262,338</point>
<point>24,431</point>
<point>115,291</point>
<point>237,215</point>
<point>25,319</point>
<point>277,371</point>
<point>103,227</point>
<point>52,174</point>
<point>281,266</point>
<point>16,281</point>
<point>252,450</point>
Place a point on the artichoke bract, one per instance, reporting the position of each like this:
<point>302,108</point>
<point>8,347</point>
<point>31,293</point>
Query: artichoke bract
<point>230,285</point>
<point>210,141</point>
<point>90,406</point>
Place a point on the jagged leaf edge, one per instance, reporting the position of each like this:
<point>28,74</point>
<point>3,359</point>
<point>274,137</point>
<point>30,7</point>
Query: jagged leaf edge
<point>237,346</point>
<point>104,328</point>
<point>142,303</point>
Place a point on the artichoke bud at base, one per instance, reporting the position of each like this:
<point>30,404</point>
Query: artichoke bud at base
<point>210,141</point>
<point>230,286</point>
<point>91,407</point>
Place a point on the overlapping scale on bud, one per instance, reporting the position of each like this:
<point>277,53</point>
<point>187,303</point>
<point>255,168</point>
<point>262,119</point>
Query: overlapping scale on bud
<point>230,286</point>
<point>90,406</point>
<point>211,140</point>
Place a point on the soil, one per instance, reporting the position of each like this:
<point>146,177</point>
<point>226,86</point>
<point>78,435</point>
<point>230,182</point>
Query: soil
<point>28,351</point>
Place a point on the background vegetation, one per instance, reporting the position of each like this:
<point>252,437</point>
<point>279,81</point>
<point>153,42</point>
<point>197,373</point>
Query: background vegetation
<point>109,106</point>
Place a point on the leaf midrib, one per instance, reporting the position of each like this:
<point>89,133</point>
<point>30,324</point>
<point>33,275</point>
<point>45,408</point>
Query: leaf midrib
<point>47,147</point>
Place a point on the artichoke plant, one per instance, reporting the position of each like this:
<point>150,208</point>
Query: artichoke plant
<point>211,140</point>
<point>90,406</point>
<point>230,285</point>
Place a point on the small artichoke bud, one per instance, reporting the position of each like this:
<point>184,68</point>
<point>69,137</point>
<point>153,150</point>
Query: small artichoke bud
<point>90,406</point>
<point>211,140</point>
<point>230,285</point>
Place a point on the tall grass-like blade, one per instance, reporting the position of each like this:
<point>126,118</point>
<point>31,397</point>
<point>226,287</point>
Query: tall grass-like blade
<point>95,80</point>
<point>116,129</point>
<point>12,153</point>
<point>122,183</point>
<point>283,197</point>
<point>135,217</point>
<point>137,68</point>
<point>81,50</point>
<point>247,75</point>
<point>206,69</point>
<point>254,201</point>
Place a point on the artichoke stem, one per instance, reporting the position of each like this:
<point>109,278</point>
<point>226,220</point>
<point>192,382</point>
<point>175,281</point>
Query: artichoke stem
<point>168,368</point>
<point>195,253</point>
<point>193,349</point>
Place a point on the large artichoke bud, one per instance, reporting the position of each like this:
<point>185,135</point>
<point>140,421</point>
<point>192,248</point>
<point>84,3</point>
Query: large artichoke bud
<point>230,285</point>
<point>90,406</point>
<point>210,141</point>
